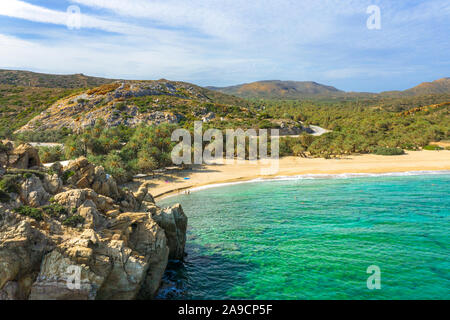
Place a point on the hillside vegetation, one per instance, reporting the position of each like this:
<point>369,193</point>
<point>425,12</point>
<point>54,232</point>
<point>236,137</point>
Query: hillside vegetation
<point>33,79</point>
<point>20,104</point>
<point>125,126</point>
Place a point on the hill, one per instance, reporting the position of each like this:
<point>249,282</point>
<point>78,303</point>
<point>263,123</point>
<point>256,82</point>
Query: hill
<point>275,89</point>
<point>435,87</point>
<point>131,103</point>
<point>293,90</point>
<point>19,104</point>
<point>42,80</point>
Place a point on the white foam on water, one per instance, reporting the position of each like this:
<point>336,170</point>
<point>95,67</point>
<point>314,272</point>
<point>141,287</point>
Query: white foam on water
<point>313,177</point>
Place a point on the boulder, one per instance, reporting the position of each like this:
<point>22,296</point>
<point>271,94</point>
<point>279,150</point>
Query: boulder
<point>22,248</point>
<point>52,183</point>
<point>33,192</point>
<point>174,222</point>
<point>56,168</point>
<point>56,280</point>
<point>75,198</point>
<point>86,175</point>
<point>24,157</point>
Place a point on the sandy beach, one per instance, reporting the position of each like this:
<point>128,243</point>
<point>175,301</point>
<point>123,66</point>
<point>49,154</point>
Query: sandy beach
<point>167,184</point>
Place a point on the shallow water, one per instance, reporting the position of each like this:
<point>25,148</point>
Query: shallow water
<point>315,238</point>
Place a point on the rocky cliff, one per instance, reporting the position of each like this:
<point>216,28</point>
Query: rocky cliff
<point>72,233</point>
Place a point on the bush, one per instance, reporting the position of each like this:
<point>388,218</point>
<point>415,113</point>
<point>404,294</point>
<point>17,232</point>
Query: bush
<point>43,136</point>
<point>386,151</point>
<point>54,210</point>
<point>73,221</point>
<point>30,212</point>
<point>51,154</point>
<point>432,147</point>
<point>26,173</point>
<point>9,184</point>
<point>115,166</point>
<point>66,175</point>
<point>4,197</point>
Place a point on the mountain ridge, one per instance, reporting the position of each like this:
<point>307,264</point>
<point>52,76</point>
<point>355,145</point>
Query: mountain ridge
<point>275,89</point>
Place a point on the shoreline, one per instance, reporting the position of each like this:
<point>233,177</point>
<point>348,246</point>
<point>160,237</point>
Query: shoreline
<point>349,175</point>
<point>414,162</point>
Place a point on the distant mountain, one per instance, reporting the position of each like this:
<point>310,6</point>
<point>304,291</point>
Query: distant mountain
<point>275,89</point>
<point>33,79</point>
<point>437,86</point>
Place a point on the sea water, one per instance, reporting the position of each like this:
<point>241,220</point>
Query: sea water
<point>314,237</point>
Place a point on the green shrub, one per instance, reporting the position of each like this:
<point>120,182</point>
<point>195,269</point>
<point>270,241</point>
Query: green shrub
<point>4,197</point>
<point>43,136</point>
<point>54,210</point>
<point>9,184</point>
<point>73,221</point>
<point>30,212</point>
<point>432,147</point>
<point>66,175</point>
<point>386,151</point>
<point>51,154</point>
<point>26,173</point>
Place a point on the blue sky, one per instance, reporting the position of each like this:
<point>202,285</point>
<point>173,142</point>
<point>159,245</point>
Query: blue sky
<point>226,42</point>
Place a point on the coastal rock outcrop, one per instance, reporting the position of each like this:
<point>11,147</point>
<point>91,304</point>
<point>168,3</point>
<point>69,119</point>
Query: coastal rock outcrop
<point>174,222</point>
<point>22,157</point>
<point>80,236</point>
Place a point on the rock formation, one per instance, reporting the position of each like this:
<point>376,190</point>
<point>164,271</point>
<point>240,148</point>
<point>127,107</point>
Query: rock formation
<point>22,157</point>
<point>72,233</point>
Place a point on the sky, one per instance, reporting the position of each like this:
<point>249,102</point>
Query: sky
<point>228,42</point>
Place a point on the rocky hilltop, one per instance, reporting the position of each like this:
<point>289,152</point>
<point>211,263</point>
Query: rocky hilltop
<point>130,103</point>
<point>55,221</point>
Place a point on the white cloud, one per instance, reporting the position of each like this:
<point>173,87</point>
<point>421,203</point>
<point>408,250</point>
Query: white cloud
<point>229,41</point>
<point>24,10</point>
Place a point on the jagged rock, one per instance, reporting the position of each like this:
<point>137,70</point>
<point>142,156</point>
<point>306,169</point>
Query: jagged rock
<point>121,249</point>
<point>74,198</point>
<point>174,222</point>
<point>21,250</point>
<point>33,192</point>
<point>86,175</point>
<point>56,168</point>
<point>105,184</point>
<point>5,148</point>
<point>54,281</point>
<point>141,272</point>
<point>24,157</point>
<point>52,184</point>
<point>88,210</point>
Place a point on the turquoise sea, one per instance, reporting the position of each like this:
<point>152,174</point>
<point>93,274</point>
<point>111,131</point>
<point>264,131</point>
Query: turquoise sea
<point>313,237</point>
